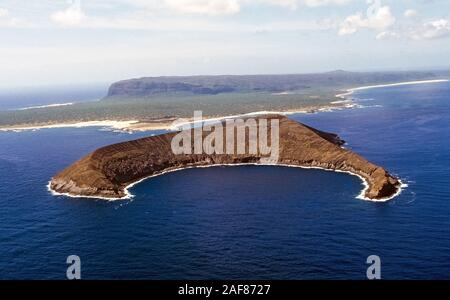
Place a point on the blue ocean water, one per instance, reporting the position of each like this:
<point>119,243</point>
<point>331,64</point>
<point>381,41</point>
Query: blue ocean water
<point>241,222</point>
<point>31,97</point>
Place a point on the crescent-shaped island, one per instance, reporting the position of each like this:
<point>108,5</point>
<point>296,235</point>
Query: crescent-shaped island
<point>107,172</point>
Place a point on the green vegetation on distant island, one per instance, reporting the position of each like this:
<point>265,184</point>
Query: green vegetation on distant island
<point>159,97</point>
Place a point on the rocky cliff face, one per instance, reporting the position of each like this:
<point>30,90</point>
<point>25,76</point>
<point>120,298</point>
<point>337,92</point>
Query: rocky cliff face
<point>212,85</point>
<point>107,171</point>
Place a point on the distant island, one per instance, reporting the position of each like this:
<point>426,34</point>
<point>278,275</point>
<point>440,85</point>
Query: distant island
<point>153,102</point>
<point>109,171</point>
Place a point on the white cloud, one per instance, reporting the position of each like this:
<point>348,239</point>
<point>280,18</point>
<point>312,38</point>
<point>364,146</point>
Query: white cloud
<point>72,16</point>
<point>379,20</point>
<point>314,3</point>
<point>387,35</point>
<point>218,7</point>
<point>9,21</point>
<point>143,14</point>
<point>431,30</point>
<point>291,4</point>
<point>208,7</point>
<point>425,31</point>
<point>411,13</point>
<point>158,15</point>
<point>3,12</point>
<point>352,23</point>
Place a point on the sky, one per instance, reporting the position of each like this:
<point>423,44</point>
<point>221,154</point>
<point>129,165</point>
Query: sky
<point>60,42</point>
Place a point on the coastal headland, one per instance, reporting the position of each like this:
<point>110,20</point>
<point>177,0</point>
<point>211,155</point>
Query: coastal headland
<point>152,103</point>
<point>108,172</point>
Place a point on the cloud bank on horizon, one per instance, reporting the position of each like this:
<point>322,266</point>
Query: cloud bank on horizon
<point>161,37</point>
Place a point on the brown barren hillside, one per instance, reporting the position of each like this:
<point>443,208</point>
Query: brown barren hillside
<point>106,172</point>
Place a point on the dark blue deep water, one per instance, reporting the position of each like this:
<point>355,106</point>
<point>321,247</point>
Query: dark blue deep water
<point>241,222</point>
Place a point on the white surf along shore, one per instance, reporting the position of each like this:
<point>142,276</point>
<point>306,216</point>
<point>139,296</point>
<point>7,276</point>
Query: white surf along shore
<point>45,106</point>
<point>131,126</point>
<point>349,102</point>
<point>352,90</point>
<point>115,125</point>
<point>129,195</point>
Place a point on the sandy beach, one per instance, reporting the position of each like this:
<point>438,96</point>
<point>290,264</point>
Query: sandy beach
<point>352,90</point>
<point>168,123</point>
<point>160,124</point>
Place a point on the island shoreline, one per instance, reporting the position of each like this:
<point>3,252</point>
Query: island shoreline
<point>142,126</point>
<point>367,87</point>
<point>129,195</point>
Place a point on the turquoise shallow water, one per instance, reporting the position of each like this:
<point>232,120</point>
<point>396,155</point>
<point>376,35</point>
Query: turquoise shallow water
<point>242,222</point>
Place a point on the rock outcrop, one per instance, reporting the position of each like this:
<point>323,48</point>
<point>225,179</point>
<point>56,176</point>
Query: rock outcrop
<point>107,171</point>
